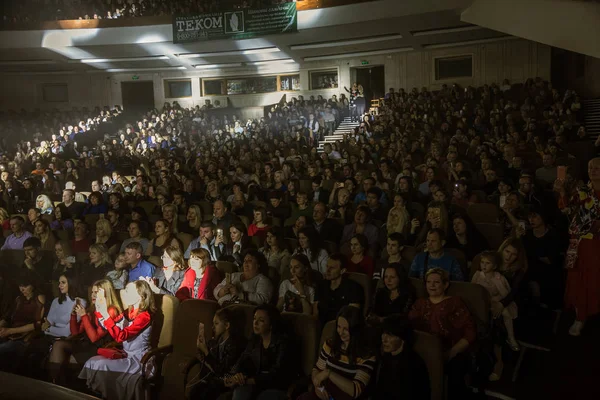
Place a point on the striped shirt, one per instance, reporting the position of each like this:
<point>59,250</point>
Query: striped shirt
<point>358,372</point>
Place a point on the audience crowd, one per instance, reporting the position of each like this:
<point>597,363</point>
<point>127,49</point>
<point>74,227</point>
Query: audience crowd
<point>50,10</point>
<point>430,190</point>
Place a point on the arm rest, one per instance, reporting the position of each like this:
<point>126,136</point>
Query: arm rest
<point>159,354</point>
<point>163,351</point>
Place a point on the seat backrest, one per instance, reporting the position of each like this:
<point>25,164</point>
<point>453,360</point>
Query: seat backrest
<point>185,239</point>
<point>148,206</point>
<point>492,232</point>
<point>429,347</point>
<point>327,333</point>
<point>13,258</point>
<point>245,311</point>
<point>460,257</point>
<point>245,220</point>
<point>483,212</point>
<point>305,329</point>
<point>475,266</point>
<point>190,314</point>
<point>82,258</point>
<point>226,267</point>
<point>364,281</point>
<point>408,253</point>
<point>156,261</point>
<point>163,321</point>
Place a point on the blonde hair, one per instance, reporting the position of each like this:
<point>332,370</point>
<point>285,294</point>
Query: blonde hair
<point>199,216</point>
<point>3,215</point>
<point>444,276</point>
<point>101,248</point>
<point>177,256</point>
<point>105,226</point>
<point>402,221</point>
<point>47,202</point>
<point>110,294</point>
<point>175,219</point>
<point>147,296</point>
<point>521,258</point>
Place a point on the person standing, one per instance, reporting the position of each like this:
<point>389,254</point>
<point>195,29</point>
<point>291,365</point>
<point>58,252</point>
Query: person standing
<point>583,277</point>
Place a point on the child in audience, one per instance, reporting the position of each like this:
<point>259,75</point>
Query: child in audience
<point>119,377</point>
<point>118,276</point>
<point>498,286</point>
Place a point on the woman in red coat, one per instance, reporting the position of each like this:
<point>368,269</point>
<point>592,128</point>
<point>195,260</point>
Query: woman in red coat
<point>201,278</point>
<point>449,319</point>
<point>87,335</point>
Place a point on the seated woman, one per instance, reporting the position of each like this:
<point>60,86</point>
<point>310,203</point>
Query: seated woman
<point>265,369</point>
<point>204,277</point>
<point>164,238</point>
<point>193,221</point>
<point>345,365</point>
<point>44,204</point>
<point>87,331</point>
<point>62,219</point>
<point>65,259</point>
<point>120,378</point>
<point>359,261</point>
<point>449,319</point>
<point>249,286</point>
<point>119,276</point>
<point>259,226</point>
<point>100,265</point>
<point>465,237</point>
<point>42,231</point>
<point>297,294</point>
<point>139,215</point>
<point>278,257</point>
<point>401,374</point>
<point>168,279</point>
<point>238,244</point>
<point>22,322</point>
<point>96,204</point>
<point>311,246</point>
<point>105,236</point>
<point>293,231</point>
<point>396,297</point>
<point>219,354</point>
<point>169,214</point>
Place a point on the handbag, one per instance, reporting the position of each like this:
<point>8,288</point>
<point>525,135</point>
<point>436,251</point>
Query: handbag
<point>112,353</point>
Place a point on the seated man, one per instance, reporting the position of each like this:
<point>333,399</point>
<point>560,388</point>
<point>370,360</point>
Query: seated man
<point>135,235</point>
<point>16,239</point>
<point>379,212</point>
<point>394,246</point>
<point>328,228</point>
<point>208,240</point>
<point>81,243</point>
<point>435,257</point>
<point>140,268</point>
<point>75,207</point>
<point>35,261</point>
<point>336,290</point>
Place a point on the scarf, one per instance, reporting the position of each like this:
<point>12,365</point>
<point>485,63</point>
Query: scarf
<point>587,211</point>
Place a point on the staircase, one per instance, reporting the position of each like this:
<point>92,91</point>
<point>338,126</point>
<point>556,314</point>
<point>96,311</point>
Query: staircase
<point>591,109</point>
<point>346,127</point>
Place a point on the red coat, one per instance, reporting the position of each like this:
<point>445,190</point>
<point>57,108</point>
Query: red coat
<point>212,277</point>
<point>90,325</point>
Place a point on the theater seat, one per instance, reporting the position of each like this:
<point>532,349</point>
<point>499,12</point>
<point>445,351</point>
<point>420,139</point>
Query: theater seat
<point>185,332</point>
<point>13,258</point>
<point>429,347</point>
<point>156,261</point>
<point>185,239</point>
<point>306,329</point>
<point>226,267</point>
<point>245,312</point>
<point>483,212</point>
<point>492,232</point>
<point>327,333</point>
<point>364,281</point>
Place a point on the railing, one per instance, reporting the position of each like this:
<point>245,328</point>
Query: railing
<point>91,22</point>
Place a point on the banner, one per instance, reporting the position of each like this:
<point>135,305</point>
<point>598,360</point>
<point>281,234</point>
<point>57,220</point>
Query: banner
<point>236,24</point>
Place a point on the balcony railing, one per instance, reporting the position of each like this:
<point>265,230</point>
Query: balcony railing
<point>19,14</point>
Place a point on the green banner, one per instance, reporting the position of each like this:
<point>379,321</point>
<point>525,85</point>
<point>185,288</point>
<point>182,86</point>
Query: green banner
<point>236,24</point>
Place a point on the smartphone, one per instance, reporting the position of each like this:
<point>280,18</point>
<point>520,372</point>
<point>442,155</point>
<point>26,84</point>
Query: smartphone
<point>220,232</point>
<point>201,329</point>
<point>561,172</point>
<point>228,278</point>
<point>502,201</point>
<point>71,259</point>
<point>522,225</point>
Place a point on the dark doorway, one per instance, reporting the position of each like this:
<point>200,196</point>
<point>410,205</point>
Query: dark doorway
<point>138,96</point>
<point>373,81</point>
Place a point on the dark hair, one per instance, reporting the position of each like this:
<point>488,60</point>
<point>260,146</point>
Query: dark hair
<point>73,287</point>
<point>397,237</point>
<point>363,241</point>
<point>18,218</point>
<point>493,256</point>
<point>278,233</point>
<point>141,211</point>
<point>339,257</point>
<point>396,325</point>
<point>356,325</point>
<point>98,196</point>
<point>208,224</point>
<point>439,231</point>
<point>229,315</point>
<point>28,277</point>
<point>376,191</point>
<point>403,281</point>
<point>260,259</point>
<point>364,209</point>
<point>314,241</point>
<point>274,317</point>
<point>135,246</point>
<point>33,242</point>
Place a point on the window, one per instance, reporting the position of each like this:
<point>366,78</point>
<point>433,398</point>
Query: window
<point>289,82</point>
<point>55,93</point>
<point>178,89</point>
<point>213,87</point>
<point>453,67</point>
<point>261,84</point>
<point>326,79</point>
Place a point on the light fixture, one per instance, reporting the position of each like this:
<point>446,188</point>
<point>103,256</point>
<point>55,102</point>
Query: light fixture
<point>40,73</point>
<point>468,42</point>
<point>28,62</point>
<point>106,60</point>
<point>215,66</point>
<point>447,30</point>
<point>272,62</point>
<point>264,50</point>
<point>359,54</point>
<point>345,42</point>
<point>97,71</point>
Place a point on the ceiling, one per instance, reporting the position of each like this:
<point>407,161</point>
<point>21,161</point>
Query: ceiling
<point>397,33</point>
